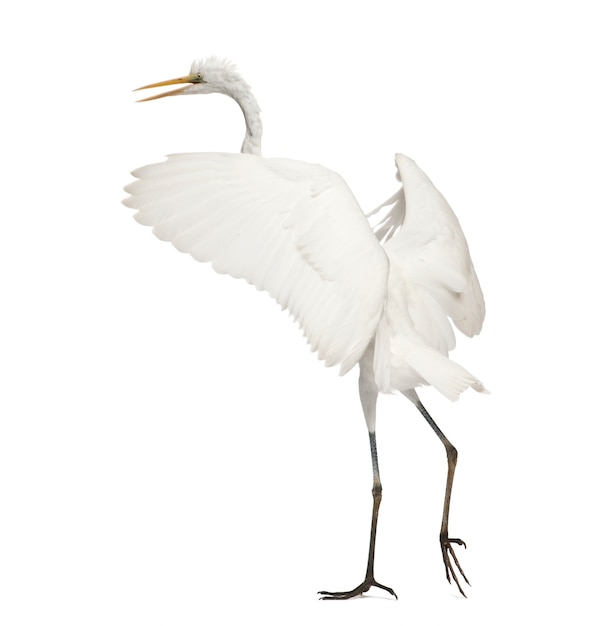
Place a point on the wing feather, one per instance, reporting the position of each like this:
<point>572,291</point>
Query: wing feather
<point>290,228</point>
<point>433,257</point>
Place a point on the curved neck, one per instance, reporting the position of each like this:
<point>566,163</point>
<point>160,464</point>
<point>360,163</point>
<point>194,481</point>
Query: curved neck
<point>253,131</point>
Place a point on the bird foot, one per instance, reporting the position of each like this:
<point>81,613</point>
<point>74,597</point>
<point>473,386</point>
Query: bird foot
<point>448,553</point>
<point>357,591</point>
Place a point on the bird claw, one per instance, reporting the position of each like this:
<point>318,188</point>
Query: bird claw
<point>448,552</point>
<point>357,591</point>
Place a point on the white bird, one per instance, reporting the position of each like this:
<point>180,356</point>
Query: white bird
<point>383,300</point>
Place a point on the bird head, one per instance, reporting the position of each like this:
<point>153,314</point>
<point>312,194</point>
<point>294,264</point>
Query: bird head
<point>211,75</point>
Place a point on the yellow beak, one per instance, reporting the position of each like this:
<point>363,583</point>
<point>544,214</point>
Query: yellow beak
<point>191,78</point>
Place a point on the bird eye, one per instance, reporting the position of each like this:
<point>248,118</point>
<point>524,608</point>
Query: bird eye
<point>199,76</point>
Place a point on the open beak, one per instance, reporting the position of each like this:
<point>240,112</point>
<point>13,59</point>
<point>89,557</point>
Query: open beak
<point>192,78</point>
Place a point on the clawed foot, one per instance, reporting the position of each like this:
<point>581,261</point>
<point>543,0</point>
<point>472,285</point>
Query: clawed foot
<point>448,552</point>
<point>357,591</point>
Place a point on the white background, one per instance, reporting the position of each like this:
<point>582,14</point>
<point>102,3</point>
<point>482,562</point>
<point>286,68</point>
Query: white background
<point>170,451</point>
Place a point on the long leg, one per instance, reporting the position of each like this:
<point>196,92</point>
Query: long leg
<point>446,541</point>
<point>369,401</point>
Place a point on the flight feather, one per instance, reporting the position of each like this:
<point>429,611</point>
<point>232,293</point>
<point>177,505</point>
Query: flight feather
<point>288,227</point>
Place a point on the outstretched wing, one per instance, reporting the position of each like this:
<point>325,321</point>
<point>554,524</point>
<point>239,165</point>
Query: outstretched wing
<point>432,255</point>
<point>290,228</point>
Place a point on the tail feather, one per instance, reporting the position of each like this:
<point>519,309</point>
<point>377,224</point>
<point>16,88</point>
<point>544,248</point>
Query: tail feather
<point>441,373</point>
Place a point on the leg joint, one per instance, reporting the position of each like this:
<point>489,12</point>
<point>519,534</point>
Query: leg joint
<point>452,453</point>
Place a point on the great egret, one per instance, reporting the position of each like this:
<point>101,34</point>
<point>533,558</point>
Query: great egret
<point>382,300</point>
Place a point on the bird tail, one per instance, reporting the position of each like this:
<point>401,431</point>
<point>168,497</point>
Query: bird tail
<point>441,373</point>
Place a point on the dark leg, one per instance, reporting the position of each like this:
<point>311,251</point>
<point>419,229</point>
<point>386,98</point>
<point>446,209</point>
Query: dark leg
<point>369,580</point>
<point>446,541</point>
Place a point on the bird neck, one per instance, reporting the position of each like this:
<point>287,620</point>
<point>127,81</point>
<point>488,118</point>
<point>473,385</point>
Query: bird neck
<point>253,131</point>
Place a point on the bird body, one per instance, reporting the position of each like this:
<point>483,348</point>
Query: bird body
<point>382,298</point>
<point>296,231</point>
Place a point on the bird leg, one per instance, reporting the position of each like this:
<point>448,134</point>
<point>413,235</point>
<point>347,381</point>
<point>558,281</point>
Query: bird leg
<point>446,542</point>
<point>369,579</point>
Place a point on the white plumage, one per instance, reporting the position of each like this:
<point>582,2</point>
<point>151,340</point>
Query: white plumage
<point>383,299</point>
<point>296,231</point>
